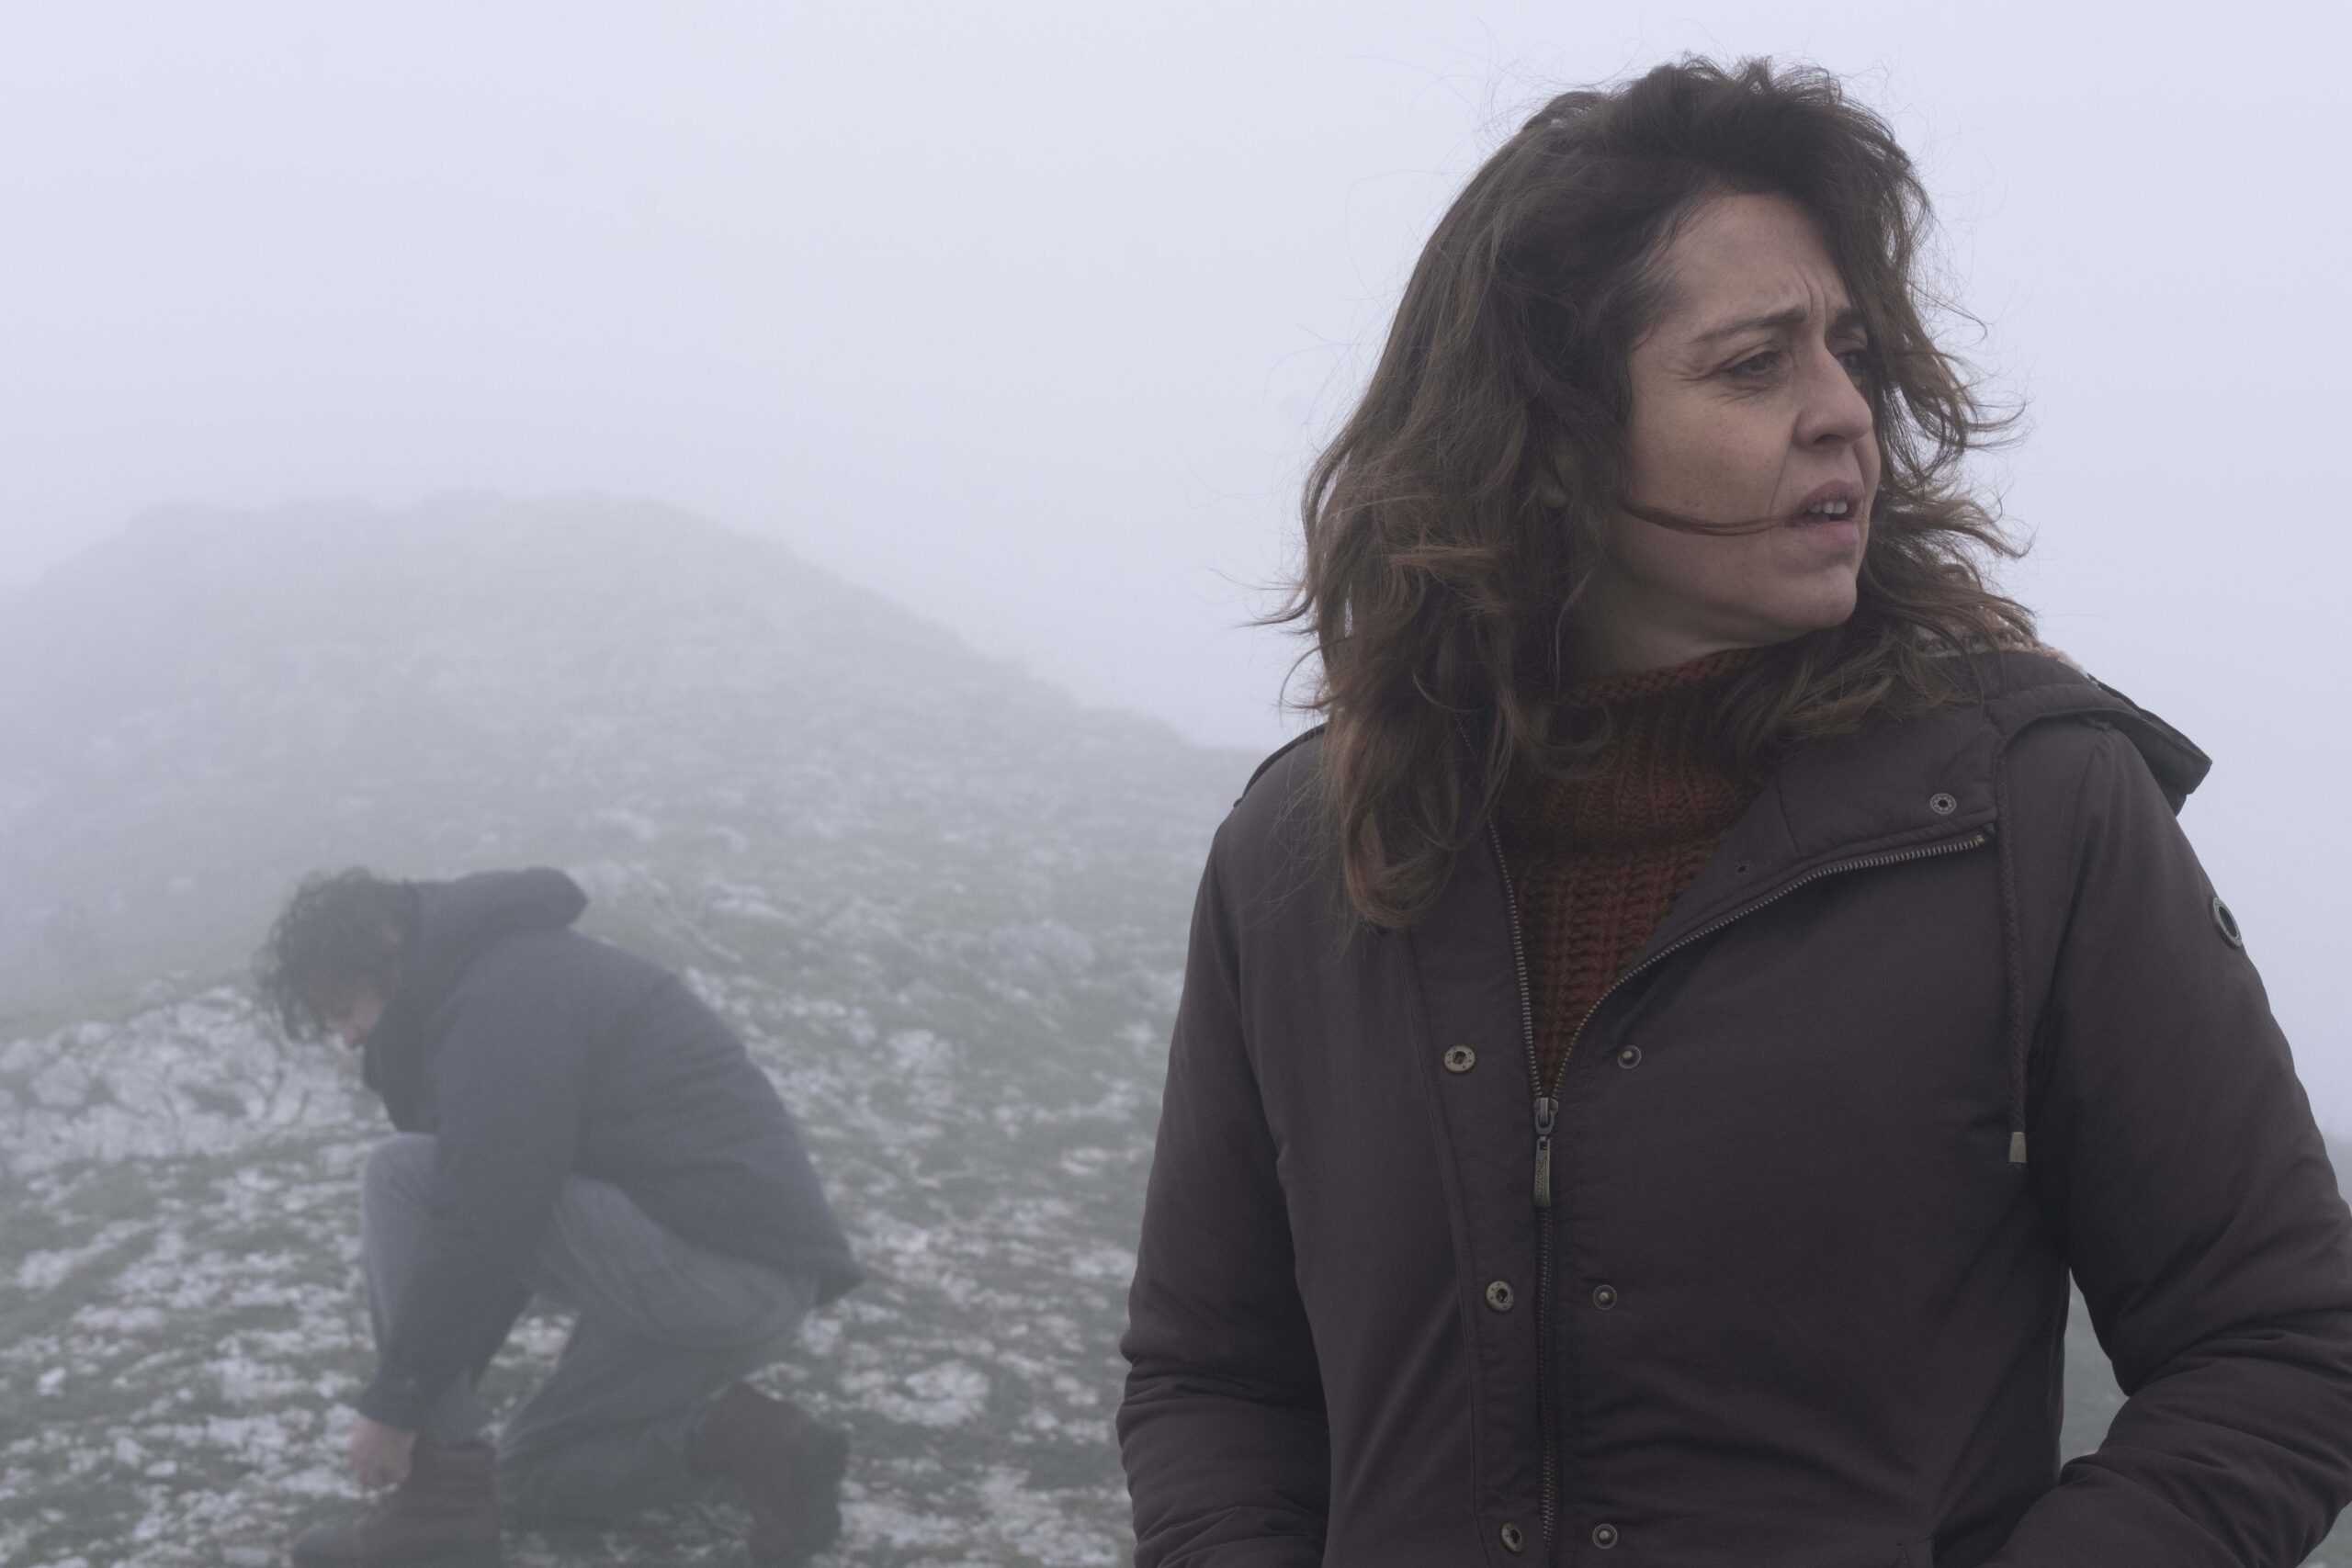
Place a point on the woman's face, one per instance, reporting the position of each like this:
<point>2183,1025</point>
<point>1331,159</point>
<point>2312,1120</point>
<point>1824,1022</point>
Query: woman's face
<point>1747,404</point>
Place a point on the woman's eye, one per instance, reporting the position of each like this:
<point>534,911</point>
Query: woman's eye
<point>1757,365</point>
<point>1857,362</point>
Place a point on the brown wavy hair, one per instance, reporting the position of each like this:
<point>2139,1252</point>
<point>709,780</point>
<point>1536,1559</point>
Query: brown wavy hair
<point>1441,561</point>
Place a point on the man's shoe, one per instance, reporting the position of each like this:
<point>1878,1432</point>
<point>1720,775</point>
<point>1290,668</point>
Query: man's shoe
<point>444,1515</point>
<point>786,1466</point>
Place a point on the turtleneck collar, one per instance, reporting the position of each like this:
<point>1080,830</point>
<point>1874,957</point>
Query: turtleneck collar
<point>1635,686</point>
<point>1654,781</point>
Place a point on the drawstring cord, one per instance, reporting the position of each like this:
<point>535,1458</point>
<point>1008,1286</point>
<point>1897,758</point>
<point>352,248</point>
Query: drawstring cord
<point>2012,957</point>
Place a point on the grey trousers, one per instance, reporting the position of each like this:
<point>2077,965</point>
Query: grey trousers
<point>663,1324</point>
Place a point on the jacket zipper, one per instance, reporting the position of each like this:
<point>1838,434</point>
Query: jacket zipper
<point>1547,1097</point>
<point>1547,1107</point>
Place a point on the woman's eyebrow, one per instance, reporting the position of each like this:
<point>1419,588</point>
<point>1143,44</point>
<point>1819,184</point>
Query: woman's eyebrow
<point>1847,320</point>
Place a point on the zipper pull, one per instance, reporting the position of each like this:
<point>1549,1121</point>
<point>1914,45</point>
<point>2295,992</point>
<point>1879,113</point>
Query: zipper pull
<point>1545,1110</point>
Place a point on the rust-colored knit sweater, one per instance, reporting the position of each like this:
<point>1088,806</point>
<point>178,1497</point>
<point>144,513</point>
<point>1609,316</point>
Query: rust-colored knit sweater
<point>1597,860</point>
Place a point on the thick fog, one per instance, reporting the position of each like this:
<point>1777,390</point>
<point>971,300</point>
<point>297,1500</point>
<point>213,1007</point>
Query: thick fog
<point>1029,316</point>
<point>402,409</point>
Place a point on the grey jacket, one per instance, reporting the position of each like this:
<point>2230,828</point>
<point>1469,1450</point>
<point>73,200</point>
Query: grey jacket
<point>531,1052</point>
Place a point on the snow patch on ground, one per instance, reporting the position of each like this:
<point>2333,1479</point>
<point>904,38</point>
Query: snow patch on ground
<point>180,1319</point>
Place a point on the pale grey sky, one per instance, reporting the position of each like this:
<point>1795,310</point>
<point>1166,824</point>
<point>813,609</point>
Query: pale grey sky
<point>1029,314</point>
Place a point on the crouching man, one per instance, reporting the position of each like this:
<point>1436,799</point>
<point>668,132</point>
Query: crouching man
<point>572,1123</point>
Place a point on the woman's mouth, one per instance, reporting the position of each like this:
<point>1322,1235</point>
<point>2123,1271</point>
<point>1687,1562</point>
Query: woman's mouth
<point>1833,523</point>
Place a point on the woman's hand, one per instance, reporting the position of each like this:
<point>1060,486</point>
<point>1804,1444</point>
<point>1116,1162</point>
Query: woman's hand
<point>380,1454</point>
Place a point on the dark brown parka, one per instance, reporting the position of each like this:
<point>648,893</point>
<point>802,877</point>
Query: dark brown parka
<point>1951,1011</point>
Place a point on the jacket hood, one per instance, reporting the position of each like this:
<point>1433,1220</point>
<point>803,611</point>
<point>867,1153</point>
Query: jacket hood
<point>1891,784</point>
<point>456,924</point>
<point>455,920</point>
<point>2036,686</point>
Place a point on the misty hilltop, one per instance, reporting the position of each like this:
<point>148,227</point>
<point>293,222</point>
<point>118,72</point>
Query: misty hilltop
<point>943,904</point>
<point>209,704</point>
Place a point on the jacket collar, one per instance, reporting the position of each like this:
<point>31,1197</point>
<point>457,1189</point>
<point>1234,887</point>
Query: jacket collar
<point>1906,784</point>
<point>1930,784</point>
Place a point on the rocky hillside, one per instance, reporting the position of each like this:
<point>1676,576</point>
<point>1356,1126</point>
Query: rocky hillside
<point>943,904</point>
<point>195,713</point>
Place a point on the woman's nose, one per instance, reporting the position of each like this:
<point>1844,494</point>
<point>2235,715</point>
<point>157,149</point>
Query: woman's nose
<point>1835,411</point>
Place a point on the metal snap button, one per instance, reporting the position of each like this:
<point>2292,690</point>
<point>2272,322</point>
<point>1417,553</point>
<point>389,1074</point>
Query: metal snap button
<point>1500,1296</point>
<point>1512,1540</point>
<point>1631,1056</point>
<point>1604,1297</point>
<point>1942,805</point>
<point>1460,1059</point>
<point>1604,1536</point>
<point>2228,922</point>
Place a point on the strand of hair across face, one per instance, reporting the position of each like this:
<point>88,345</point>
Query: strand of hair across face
<point>1682,523</point>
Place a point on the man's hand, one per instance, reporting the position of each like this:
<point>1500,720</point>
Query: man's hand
<point>380,1454</point>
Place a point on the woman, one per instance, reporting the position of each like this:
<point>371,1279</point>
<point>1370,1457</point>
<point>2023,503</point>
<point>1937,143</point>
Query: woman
<point>1647,1067</point>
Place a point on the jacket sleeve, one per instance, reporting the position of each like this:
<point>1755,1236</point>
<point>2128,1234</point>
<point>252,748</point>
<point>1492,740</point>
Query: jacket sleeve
<point>506,1095</point>
<point>2172,1148</point>
<point>1222,1430</point>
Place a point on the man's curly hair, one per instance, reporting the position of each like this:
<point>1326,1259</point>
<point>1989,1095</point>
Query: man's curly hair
<point>340,932</point>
